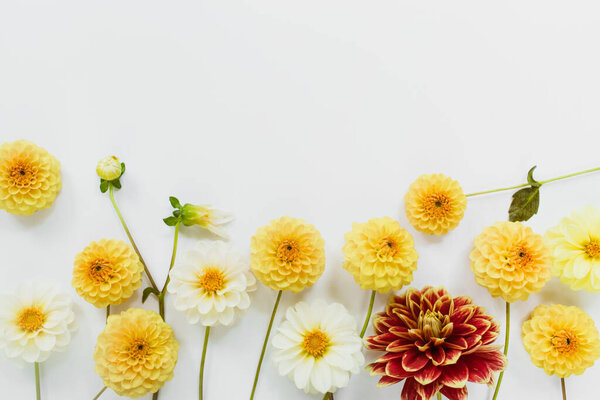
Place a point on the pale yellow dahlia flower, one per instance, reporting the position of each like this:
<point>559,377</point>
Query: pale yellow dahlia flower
<point>561,339</point>
<point>510,260</point>
<point>380,255</point>
<point>287,254</point>
<point>135,353</point>
<point>35,321</point>
<point>29,178</point>
<point>435,204</point>
<point>575,247</point>
<point>109,168</point>
<point>107,272</point>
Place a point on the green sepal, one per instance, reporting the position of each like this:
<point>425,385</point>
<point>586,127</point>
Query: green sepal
<point>116,183</point>
<point>171,221</point>
<point>103,185</point>
<point>525,204</point>
<point>149,290</point>
<point>530,179</point>
<point>177,213</point>
<point>122,168</point>
<point>174,202</point>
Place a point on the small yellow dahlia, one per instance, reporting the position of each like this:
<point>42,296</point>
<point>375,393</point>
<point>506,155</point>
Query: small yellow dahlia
<point>287,254</point>
<point>510,260</point>
<point>107,272</point>
<point>575,247</point>
<point>29,178</point>
<point>135,353</point>
<point>435,204</point>
<point>109,168</point>
<point>380,255</point>
<point>562,340</point>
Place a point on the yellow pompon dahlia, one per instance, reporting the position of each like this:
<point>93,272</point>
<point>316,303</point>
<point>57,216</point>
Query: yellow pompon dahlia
<point>287,254</point>
<point>435,204</point>
<point>29,178</point>
<point>510,260</point>
<point>562,340</point>
<point>107,272</point>
<point>135,353</point>
<point>380,255</point>
<point>575,247</point>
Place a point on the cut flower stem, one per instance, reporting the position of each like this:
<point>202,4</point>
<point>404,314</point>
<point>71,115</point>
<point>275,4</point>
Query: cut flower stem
<point>564,389</point>
<point>100,393</point>
<point>163,292</point>
<point>505,348</point>
<point>38,392</point>
<point>200,385</point>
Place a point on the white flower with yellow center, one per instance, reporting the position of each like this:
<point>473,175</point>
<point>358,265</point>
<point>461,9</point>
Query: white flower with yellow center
<point>211,282</point>
<point>318,347</point>
<point>35,321</point>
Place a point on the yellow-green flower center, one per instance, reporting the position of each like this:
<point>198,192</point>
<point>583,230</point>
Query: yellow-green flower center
<point>288,251</point>
<point>100,270</point>
<point>31,319</point>
<point>22,173</point>
<point>437,205</point>
<point>431,323</point>
<point>593,249</point>
<point>565,341</point>
<point>315,343</point>
<point>212,280</point>
<point>138,349</point>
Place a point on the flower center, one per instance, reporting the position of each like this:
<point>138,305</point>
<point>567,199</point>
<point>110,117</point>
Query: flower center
<point>387,248</point>
<point>521,257</point>
<point>437,205</point>
<point>212,280</point>
<point>100,271</point>
<point>593,249</point>
<point>139,349</point>
<point>31,319</point>
<point>565,341</point>
<point>315,343</point>
<point>288,251</point>
<point>431,323</point>
<point>22,174</point>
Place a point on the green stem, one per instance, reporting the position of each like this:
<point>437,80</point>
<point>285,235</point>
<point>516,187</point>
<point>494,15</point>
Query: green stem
<point>163,292</point>
<point>368,319</point>
<point>527,184</point>
<point>505,348</point>
<point>439,396</point>
<point>564,389</point>
<point>38,392</point>
<point>100,393</point>
<point>262,353</point>
<point>207,332</point>
<point>114,203</point>
<point>107,311</point>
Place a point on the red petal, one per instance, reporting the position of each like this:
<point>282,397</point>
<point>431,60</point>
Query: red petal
<point>437,355</point>
<point>428,391</point>
<point>456,342</point>
<point>376,369</point>
<point>399,346</point>
<point>428,374</point>
<point>414,360</point>
<point>463,329</point>
<point>395,369</point>
<point>455,375</point>
<point>389,357</point>
<point>462,314</point>
<point>387,381</point>
<point>455,394</point>
<point>452,356</point>
<point>410,390</point>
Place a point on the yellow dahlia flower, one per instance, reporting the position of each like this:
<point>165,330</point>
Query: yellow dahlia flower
<point>510,260</point>
<point>29,178</point>
<point>109,168</point>
<point>107,272</point>
<point>287,254</point>
<point>561,339</point>
<point>435,204</point>
<point>380,255</point>
<point>575,247</point>
<point>135,353</point>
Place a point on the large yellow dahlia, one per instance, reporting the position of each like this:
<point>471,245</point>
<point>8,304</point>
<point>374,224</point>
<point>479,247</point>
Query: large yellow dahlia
<point>136,353</point>
<point>287,254</point>
<point>510,260</point>
<point>29,178</point>
<point>561,339</point>
<point>435,204</point>
<point>107,272</point>
<point>575,247</point>
<point>380,255</point>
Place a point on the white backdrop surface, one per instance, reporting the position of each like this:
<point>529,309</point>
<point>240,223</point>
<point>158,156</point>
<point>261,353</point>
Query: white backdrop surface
<point>325,110</point>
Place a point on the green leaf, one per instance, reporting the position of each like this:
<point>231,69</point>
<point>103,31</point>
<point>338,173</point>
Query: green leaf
<point>149,290</point>
<point>175,202</point>
<point>171,221</point>
<point>177,213</point>
<point>530,179</point>
<point>103,185</point>
<point>525,204</point>
<point>116,183</point>
<point>122,168</point>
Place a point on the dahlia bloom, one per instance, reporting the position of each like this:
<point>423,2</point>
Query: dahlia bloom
<point>35,321</point>
<point>206,217</point>
<point>561,339</point>
<point>436,343</point>
<point>318,347</point>
<point>109,168</point>
<point>435,204</point>
<point>287,254</point>
<point>510,260</point>
<point>575,248</point>
<point>211,283</point>
<point>380,255</point>
<point>135,353</point>
<point>29,178</point>
<point>107,272</point>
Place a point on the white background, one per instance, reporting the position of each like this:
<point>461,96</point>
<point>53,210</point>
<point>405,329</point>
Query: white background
<point>325,110</point>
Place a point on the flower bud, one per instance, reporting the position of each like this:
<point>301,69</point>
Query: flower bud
<point>206,217</point>
<point>109,168</point>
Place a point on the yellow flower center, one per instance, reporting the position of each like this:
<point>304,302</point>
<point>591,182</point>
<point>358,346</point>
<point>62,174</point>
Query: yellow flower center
<point>138,349</point>
<point>315,343</point>
<point>22,173</point>
<point>387,248</point>
<point>521,256</point>
<point>212,280</point>
<point>565,341</point>
<point>100,271</point>
<point>437,205</point>
<point>288,251</point>
<point>431,324</point>
<point>593,249</point>
<point>31,319</point>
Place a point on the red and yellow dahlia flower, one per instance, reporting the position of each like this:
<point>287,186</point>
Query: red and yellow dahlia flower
<point>436,343</point>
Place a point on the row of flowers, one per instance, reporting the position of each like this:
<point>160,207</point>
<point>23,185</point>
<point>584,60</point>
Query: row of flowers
<point>432,341</point>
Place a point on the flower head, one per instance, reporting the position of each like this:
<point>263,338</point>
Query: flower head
<point>206,217</point>
<point>35,321</point>
<point>436,343</point>
<point>135,353</point>
<point>107,272</point>
<point>575,247</point>
<point>510,260</point>
<point>29,178</point>
<point>287,254</point>
<point>561,339</point>
<point>317,346</point>
<point>435,204</point>
<point>211,283</point>
<point>109,168</point>
<point>380,255</point>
